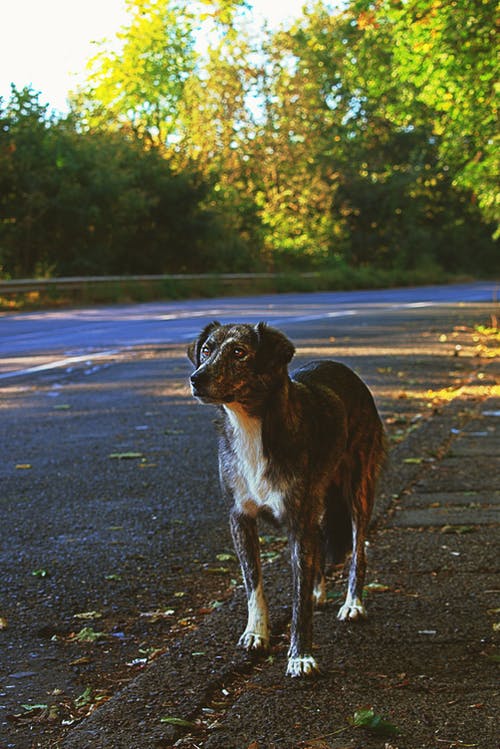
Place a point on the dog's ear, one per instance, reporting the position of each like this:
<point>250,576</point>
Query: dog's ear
<point>194,348</point>
<point>274,349</point>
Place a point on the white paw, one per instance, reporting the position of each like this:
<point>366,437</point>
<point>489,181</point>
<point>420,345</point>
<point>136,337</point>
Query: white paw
<point>302,665</point>
<point>319,593</point>
<point>253,641</point>
<point>352,609</point>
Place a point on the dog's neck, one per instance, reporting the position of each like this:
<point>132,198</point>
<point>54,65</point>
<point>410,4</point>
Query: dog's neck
<point>260,434</point>
<point>241,417</point>
<point>261,403</point>
<point>250,416</point>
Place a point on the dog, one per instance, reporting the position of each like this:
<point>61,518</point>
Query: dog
<point>304,448</point>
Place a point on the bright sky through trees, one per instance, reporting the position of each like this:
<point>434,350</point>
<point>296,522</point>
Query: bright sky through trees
<point>46,44</point>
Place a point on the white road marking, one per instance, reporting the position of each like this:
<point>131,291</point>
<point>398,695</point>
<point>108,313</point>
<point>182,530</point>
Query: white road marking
<point>287,319</point>
<point>58,363</point>
<point>193,314</point>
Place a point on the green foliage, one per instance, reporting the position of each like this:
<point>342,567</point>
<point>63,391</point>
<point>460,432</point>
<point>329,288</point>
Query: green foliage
<point>138,85</point>
<point>359,142</point>
<point>447,50</point>
<point>74,203</point>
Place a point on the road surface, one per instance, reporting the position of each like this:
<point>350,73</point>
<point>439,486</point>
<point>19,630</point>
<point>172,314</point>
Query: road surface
<point>31,342</point>
<point>111,515</point>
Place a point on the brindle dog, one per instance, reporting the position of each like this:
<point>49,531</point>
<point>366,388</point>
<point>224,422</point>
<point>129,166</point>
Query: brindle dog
<point>305,447</point>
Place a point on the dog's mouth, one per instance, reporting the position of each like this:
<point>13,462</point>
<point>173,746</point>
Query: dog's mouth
<point>210,398</point>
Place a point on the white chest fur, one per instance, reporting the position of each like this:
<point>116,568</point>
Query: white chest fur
<point>252,488</point>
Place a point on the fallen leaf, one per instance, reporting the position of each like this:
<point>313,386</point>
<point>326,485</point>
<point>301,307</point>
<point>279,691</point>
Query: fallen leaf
<point>84,699</point>
<point>87,634</point>
<point>126,456</point>
<point>3,623</point>
<point>29,708</point>
<point>137,662</point>
<point>88,615</point>
<point>366,718</point>
<point>377,587</point>
<point>177,722</point>
<point>155,616</point>
<point>23,466</point>
<point>40,573</point>
<point>459,529</point>
<point>80,661</point>
<point>216,604</point>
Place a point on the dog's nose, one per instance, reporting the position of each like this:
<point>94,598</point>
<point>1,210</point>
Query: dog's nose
<point>196,379</point>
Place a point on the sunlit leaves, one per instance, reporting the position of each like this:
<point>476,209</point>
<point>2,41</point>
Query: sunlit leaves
<point>444,58</point>
<point>139,83</point>
<point>356,137</point>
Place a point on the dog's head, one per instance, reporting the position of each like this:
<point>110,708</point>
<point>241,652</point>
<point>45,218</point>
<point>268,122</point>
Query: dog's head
<point>238,363</point>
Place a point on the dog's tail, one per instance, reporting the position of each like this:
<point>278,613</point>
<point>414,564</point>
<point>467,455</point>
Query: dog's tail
<point>337,526</point>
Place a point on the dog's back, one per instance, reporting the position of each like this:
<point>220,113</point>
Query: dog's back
<point>352,487</point>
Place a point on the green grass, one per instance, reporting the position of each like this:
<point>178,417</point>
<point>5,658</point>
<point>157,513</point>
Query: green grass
<point>126,290</point>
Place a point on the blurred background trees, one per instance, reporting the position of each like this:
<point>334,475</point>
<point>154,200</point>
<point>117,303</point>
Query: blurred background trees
<point>356,138</point>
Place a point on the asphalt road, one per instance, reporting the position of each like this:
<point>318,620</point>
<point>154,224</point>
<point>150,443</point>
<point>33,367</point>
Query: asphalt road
<point>31,342</point>
<point>109,499</point>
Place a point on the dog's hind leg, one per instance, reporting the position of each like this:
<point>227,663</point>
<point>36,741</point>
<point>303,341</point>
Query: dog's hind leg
<point>353,607</point>
<point>319,590</point>
<point>246,543</point>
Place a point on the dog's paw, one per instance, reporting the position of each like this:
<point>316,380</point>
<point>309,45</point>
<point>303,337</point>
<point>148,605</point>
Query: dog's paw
<point>319,593</point>
<point>302,665</point>
<point>352,609</point>
<point>253,641</point>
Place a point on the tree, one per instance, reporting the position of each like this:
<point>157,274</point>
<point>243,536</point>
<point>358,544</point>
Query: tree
<point>218,135</point>
<point>24,171</point>
<point>75,202</point>
<point>442,59</point>
<point>138,86</point>
<point>348,179</point>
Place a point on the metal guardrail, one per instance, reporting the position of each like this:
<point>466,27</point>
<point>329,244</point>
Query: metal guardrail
<point>25,285</point>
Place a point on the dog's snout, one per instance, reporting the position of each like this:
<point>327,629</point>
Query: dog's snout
<point>197,378</point>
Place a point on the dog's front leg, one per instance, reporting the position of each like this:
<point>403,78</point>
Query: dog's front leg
<point>304,564</point>
<point>246,543</point>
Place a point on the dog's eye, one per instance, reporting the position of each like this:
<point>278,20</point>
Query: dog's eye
<point>205,351</point>
<point>239,353</point>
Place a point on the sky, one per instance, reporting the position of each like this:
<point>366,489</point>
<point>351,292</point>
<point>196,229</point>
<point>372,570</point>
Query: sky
<point>46,43</point>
